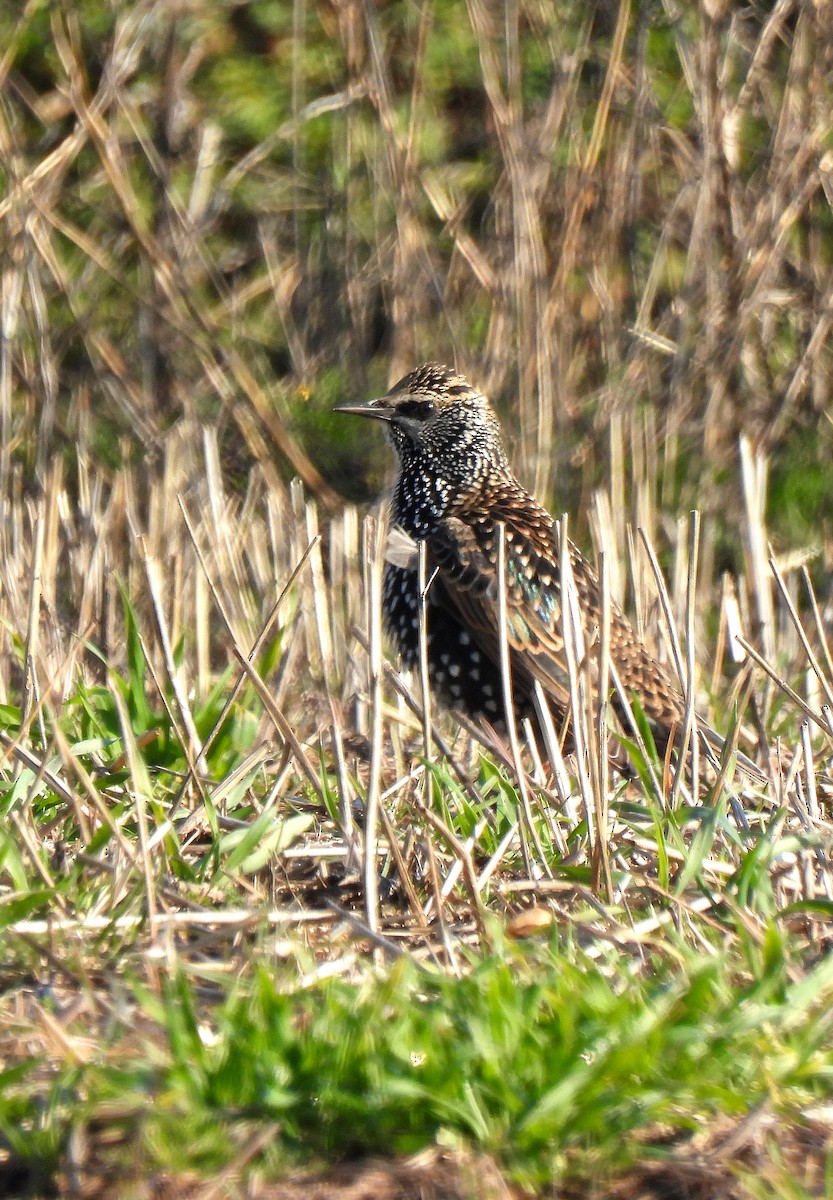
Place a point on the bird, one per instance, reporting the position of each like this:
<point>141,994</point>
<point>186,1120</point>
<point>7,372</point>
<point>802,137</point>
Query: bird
<point>454,491</point>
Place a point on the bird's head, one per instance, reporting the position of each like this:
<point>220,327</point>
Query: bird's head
<point>435,418</point>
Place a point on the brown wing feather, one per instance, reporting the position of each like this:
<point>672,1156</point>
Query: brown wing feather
<point>465,555</point>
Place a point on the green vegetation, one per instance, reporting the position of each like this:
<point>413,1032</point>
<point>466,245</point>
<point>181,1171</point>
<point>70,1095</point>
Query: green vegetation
<point>223,967</point>
<point>547,1060</point>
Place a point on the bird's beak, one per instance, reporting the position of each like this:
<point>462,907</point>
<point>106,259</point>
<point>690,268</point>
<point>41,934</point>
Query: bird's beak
<point>381,409</point>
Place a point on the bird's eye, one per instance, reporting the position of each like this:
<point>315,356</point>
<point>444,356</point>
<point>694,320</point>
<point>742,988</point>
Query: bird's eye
<point>418,409</point>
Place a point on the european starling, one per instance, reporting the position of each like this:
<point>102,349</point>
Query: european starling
<point>453,489</point>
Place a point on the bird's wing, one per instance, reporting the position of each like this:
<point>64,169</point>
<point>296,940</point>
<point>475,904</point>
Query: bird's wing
<point>465,556</point>
<point>464,551</point>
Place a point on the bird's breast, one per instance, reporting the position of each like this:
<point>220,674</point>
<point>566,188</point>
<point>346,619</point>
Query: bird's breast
<point>421,498</point>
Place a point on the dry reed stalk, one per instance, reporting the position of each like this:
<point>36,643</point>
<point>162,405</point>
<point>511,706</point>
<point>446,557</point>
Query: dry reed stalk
<point>607,519</point>
<point>423,583</point>
<point>374,536</point>
<point>754,470</point>
<point>552,745</point>
<point>31,701</point>
<point>669,625</point>
<point>817,620</point>
<point>414,903</point>
<point>191,742</point>
<point>320,593</point>
<point>789,604</point>
<point>463,858</point>
<point>822,720</point>
<point>581,690</point>
<point>601,791</point>
<point>688,739</point>
<point>528,824</point>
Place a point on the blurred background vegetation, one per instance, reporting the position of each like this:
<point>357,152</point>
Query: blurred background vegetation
<point>614,216</point>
